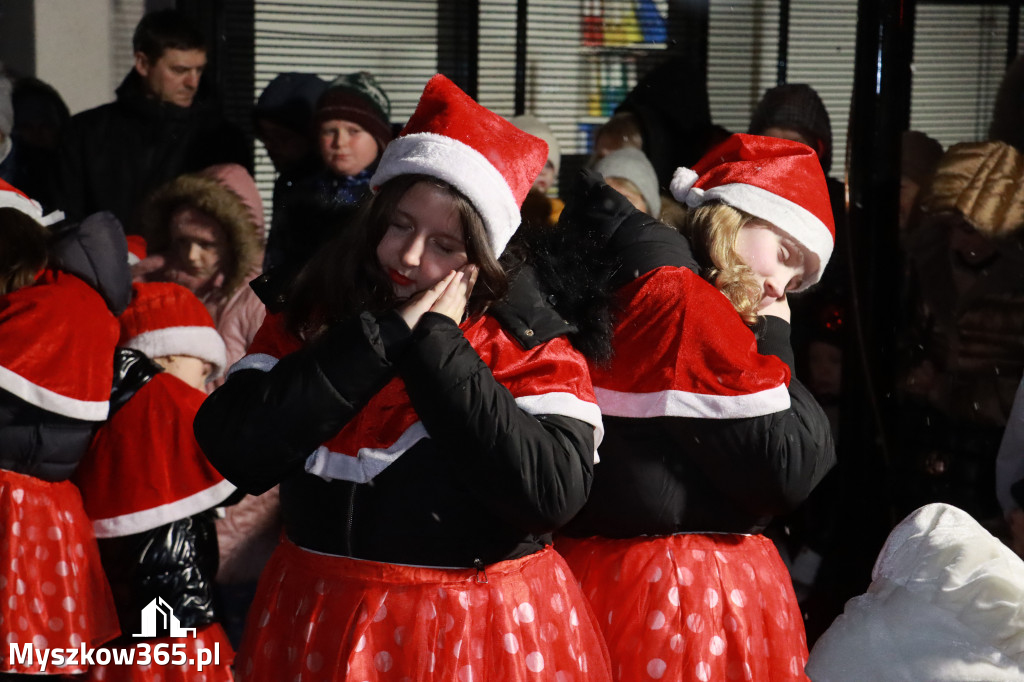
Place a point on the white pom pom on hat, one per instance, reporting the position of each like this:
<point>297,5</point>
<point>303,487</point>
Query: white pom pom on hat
<point>779,181</point>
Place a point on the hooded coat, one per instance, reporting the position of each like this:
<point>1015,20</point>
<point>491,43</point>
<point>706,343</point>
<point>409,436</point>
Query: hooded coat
<point>54,386</point>
<point>227,193</point>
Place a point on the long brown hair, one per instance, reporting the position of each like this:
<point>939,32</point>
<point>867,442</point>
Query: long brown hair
<point>344,278</point>
<point>712,229</point>
<point>24,249</point>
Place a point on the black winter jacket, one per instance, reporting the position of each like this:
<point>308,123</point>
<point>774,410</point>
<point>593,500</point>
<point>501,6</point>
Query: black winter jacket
<point>176,561</point>
<point>113,156</point>
<point>38,442</point>
<point>666,474</point>
<point>489,483</point>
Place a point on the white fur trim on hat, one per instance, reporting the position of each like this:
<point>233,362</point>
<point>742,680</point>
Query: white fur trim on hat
<point>29,207</point>
<point>199,342</point>
<point>792,218</point>
<point>464,168</point>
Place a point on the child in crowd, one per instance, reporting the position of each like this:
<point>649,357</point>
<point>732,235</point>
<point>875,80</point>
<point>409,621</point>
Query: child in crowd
<point>151,511</point>
<point>352,128</point>
<point>205,231</point>
<point>542,205</point>
<point>708,433</point>
<point>59,295</point>
<point>629,173</point>
<point>451,425</point>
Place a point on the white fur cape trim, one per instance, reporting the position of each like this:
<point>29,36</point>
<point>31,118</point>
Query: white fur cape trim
<point>34,394</point>
<point>672,403</point>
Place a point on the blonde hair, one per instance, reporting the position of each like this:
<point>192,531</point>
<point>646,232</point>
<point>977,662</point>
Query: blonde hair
<point>712,229</point>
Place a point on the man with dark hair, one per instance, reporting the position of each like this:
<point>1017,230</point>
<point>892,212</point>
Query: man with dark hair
<point>159,127</point>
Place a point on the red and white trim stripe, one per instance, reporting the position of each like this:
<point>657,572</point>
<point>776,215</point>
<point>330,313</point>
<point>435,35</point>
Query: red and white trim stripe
<point>368,462</point>
<point>147,519</point>
<point>34,394</point>
<point>671,403</point>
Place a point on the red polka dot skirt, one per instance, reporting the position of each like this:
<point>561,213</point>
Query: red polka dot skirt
<point>323,618</point>
<point>211,637</point>
<point>53,592</point>
<point>692,607</point>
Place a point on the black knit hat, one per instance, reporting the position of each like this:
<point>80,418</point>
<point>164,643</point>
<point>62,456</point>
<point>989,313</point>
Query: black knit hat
<point>798,107</point>
<point>357,97</point>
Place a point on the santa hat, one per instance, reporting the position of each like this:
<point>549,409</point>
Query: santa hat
<point>137,248</point>
<point>776,180</point>
<point>165,319</point>
<point>482,155</point>
<point>12,197</point>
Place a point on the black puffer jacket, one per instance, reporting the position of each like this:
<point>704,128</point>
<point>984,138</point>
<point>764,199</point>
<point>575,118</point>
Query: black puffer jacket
<point>176,561</point>
<point>113,156</point>
<point>664,473</point>
<point>36,441</point>
<point>490,482</point>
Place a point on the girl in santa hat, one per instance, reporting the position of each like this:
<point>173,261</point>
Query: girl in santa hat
<point>708,433</point>
<point>430,425</point>
<point>59,294</point>
<point>153,514</point>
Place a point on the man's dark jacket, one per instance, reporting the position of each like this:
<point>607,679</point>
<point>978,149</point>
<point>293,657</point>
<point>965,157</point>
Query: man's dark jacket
<point>113,156</point>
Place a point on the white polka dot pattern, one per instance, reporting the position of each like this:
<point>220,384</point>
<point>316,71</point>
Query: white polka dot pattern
<point>53,592</point>
<point>527,621</point>
<point>709,607</point>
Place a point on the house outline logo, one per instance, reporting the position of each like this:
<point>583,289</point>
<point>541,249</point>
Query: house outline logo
<point>159,613</point>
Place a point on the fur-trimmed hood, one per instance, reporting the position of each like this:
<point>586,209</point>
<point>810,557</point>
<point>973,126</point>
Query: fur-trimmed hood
<point>228,194</point>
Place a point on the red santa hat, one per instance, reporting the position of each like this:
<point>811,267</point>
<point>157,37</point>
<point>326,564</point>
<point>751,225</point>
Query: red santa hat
<point>137,248</point>
<point>165,318</point>
<point>12,197</point>
<point>776,180</point>
<point>482,155</point>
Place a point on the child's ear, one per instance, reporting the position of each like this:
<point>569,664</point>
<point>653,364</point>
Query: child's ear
<point>207,369</point>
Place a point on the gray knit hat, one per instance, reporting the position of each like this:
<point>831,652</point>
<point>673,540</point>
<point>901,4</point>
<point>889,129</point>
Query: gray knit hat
<point>632,164</point>
<point>796,106</point>
<point>6,107</point>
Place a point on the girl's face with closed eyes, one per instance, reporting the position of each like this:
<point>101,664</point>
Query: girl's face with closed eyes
<point>776,259</point>
<point>424,240</point>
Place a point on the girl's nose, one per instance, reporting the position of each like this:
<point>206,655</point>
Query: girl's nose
<point>772,289</point>
<point>412,252</point>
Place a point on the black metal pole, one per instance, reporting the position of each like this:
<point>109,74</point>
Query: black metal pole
<point>458,43</point>
<point>783,59</point>
<point>880,112</point>
<point>520,84</point>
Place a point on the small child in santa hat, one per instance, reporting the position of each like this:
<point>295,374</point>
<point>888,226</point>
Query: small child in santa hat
<point>149,490</point>
<point>708,433</point>
<point>430,425</point>
<point>59,294</point>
